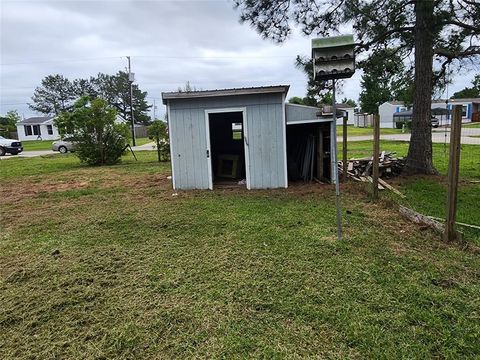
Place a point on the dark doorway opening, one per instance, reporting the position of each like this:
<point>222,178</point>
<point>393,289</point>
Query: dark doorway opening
<point>308,152</point>
<point>227,148</point>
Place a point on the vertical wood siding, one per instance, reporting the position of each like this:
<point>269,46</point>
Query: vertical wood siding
<point>265,138</point>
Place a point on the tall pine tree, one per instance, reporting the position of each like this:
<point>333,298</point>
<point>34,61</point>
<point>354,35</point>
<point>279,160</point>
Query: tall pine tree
<point>444,32</point>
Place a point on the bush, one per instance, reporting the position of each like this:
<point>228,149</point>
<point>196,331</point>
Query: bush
<point>158,132</point>
<point>99,140</point>
<point>399,124</point>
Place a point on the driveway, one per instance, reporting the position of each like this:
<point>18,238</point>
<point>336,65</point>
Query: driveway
<point>29,154</point>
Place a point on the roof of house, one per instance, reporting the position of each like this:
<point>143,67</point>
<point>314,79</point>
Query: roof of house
<point>37,120</point>
<point>395,102</point>
<point>224,92</point>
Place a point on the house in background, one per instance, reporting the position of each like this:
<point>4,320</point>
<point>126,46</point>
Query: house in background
<point>245,136</point>
<point>392,111</point>
<point>37,128</point>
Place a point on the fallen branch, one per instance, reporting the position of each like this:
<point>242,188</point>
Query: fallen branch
<point>418,218</point>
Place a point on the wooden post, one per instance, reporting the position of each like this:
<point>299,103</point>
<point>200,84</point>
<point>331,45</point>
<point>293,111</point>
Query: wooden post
<point>453,169</point>
<point>376,155</point>
<point>345,161</point>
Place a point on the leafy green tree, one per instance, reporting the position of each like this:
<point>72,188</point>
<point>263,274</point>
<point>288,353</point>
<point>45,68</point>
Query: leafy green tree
<point>92,124</point>
<point>57,94</point>
<point>303,101</point>
<point>469,92</point>
<point>441,31</point>
<point>115,89</point>
<point>54,95</point>
<point>158,132</point>
<point>318,92</point>
<point>349,102</point>
<point>8,122</point>
<point>384,79</point>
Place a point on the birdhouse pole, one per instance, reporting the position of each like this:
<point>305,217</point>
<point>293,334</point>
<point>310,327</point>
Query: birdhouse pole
<point>334,58</point>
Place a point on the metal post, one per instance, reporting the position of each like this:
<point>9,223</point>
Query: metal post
<point>376,155</point>
<point>344,149</point>
<point>131,103</point>
<point>335,164</point>
<point>453,169</point>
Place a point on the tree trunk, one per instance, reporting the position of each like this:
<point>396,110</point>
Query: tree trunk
<point>419,159</point>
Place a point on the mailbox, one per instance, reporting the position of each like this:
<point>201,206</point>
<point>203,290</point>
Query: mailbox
<point>333,57</point>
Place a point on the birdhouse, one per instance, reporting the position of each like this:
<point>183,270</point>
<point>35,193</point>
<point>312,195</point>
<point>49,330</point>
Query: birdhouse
<point>333,57</point>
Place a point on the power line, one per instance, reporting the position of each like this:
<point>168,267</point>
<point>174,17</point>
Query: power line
<point>147,56</point>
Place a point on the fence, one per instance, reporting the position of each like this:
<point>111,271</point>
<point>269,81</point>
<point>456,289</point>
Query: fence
<point>449,200</point>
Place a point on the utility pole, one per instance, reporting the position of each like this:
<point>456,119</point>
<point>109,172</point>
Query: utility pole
<point>154,108</point>
<point>130,79</point>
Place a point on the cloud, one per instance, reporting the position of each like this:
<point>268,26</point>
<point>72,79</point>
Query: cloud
<point>170,42</point>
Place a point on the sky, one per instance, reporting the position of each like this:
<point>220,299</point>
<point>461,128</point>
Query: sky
<point>170,42</point>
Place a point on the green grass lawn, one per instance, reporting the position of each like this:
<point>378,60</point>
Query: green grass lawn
<point>472,125</point>
<point>32,145</point>
<point>428,194</point>
<point>35,145</point>
<point>107,262</point>
<point>357,131</point>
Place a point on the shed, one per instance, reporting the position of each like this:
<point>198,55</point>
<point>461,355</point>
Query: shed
<point>246,136</point>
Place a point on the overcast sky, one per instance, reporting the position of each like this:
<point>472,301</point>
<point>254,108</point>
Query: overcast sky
<point>170,42</point>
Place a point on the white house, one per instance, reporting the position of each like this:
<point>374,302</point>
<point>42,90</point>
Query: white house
<point>391,110</point>
<point>37,128</point>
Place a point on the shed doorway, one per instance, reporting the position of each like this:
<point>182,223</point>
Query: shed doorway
<point>227,148</point>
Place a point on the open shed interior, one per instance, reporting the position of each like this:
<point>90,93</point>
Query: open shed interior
<point>227,147</point>
<point>308,152</point>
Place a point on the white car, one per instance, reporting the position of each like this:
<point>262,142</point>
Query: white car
<point>10,146</point>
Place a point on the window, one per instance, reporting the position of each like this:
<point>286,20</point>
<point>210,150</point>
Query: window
<point>49,129</point>
<point>36,130</point>
<point>464,111</point>
<point>237,131</point>
<point>28,130</point>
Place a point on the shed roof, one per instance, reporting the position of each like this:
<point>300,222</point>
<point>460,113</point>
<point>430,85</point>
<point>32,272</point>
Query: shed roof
<point>224,92</point>
<point>37,120</point>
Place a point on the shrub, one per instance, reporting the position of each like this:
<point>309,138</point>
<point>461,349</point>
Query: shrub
<point>99,139</point>
<point>158,132</point>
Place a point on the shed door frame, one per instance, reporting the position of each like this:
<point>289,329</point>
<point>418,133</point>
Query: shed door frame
<point>243,110</point>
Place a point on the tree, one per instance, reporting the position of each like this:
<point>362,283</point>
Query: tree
<point>8,122</point>
<point>318,92</point>
<point>187,88</point>
<point>116,90</point>
<point>384,79</point>
<point>99,139</point>
<point>446,32</point>
<point>469,92</point>
<point>303,101</point>
<point>349,102</point>
<point>158,132</point>
<point>56,94</point>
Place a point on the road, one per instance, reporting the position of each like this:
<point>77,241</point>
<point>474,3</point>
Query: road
<point>28,154</point>
<point>470,136</point>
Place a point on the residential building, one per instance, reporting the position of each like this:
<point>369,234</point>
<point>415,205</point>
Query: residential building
<point>391,111</point>
<point>37,128</point>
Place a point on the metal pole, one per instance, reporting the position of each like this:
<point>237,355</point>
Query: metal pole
<point>131,103</point>
<point>335,165</point>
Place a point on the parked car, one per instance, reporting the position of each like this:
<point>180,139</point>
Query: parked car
<point>64,146</point>
<point>10,146</point>
<point>435,122</point>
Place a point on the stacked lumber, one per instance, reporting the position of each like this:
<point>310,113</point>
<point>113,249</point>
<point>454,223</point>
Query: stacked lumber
<point>361,168</point>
